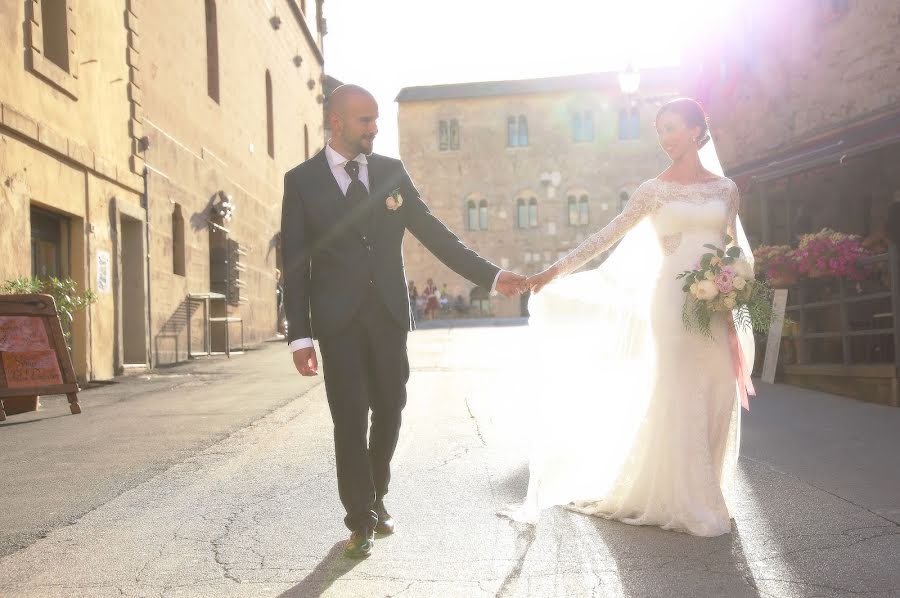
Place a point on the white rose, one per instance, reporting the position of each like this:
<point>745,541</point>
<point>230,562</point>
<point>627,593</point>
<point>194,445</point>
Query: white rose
<point>743,269</point>
<point>694,287</point>
<point>728,302</point>
<point>709,275</point>
<point>706,290</point>
<point>715,261</point>
<point>739,283</point>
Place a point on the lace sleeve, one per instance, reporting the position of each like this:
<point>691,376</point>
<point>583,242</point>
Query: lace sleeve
<point>734,203</point>
<point>638,207</point>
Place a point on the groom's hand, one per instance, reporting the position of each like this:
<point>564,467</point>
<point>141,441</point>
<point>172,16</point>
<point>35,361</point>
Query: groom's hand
<point>306,362</point>
<point>510,284</point>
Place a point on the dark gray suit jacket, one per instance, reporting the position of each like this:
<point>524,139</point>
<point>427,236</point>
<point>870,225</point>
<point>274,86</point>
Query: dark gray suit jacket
<point>334,254</point>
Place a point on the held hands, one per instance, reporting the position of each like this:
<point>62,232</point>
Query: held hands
<point>306,362</point>
<point>542,279</point>
<point>510,284</point>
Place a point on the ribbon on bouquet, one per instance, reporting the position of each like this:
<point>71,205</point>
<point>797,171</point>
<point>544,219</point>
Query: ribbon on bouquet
<point>741,371</point>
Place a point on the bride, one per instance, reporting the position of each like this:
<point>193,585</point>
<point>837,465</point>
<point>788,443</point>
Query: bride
<point>640,419</point>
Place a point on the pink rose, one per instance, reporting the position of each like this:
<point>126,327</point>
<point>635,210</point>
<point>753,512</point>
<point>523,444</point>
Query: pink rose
<point>725,281</point>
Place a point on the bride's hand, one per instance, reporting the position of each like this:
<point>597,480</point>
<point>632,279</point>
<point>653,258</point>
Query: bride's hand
<point>542,279</point>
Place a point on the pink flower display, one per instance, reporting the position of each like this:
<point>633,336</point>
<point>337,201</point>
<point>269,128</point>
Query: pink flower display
<point>832,253</point>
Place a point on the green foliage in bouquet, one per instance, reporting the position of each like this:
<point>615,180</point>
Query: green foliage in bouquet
<point>723,281</point>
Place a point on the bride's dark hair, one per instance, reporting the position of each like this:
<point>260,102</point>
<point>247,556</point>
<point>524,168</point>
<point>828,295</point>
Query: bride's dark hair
<point>692,113</point>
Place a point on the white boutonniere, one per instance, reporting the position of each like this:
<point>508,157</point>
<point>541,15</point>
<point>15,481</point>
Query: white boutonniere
<point>394,200</point>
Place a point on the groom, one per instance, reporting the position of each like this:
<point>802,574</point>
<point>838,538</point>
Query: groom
<point>344,215</point>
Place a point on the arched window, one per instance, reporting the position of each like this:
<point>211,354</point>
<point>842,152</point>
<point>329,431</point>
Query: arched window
<point>521,213</point>
<point>512,135</point>
<point>212,51</point>
<point>471,215</point>
<point>532,212</point>
<point>584,210</point>
<point>577,131</point>
<point>573,210</point>
<point>270,117</point>
<point>483,214</point>
<point>523,130</point>
<point>443,136</point>
<point>454,134</point>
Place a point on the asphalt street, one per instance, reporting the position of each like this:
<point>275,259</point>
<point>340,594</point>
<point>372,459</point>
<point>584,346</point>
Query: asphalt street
<point>216,478</point>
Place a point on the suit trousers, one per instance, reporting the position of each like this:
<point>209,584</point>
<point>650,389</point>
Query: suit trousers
<point>365,368</point>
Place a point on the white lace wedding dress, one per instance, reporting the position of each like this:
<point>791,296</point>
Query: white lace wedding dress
<point>641,421</point>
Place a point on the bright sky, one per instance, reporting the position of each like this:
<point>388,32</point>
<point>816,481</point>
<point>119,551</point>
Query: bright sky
<point>387,45</point>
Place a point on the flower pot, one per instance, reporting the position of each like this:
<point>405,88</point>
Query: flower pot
<point>16,405</point>
<point>783,279</point>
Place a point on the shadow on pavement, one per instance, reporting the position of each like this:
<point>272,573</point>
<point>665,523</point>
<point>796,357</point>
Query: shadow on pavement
<point>650,560</point>
<point>524,539</point>
<point>333,567</point>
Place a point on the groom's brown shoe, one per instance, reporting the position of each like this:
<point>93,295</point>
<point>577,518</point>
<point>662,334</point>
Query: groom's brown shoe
<point>385,525</point>
<point>360,544</point>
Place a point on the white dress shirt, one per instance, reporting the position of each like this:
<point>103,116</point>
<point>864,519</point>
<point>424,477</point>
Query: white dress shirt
<point>337,162</point>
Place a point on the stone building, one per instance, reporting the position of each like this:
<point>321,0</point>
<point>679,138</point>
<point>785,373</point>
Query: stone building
<point>125,125</point>
<point>804,99</point>
<point>524,170</point>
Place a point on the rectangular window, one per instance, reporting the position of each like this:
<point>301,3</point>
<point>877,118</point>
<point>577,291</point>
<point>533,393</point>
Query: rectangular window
<point>212,51</point>
<point>48,237</point>
<point>54,19</point>
<point>51,42</point>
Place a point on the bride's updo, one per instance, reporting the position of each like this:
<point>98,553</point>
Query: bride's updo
<point>692,113</point>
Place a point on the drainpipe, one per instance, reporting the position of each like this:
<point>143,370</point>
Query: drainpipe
<point>148,277</point>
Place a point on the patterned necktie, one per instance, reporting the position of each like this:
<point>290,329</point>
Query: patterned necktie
<point>356,192</point>
<point>357,198</point>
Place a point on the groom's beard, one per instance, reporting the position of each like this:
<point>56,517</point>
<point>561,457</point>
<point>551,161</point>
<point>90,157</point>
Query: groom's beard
<point>366,145</point>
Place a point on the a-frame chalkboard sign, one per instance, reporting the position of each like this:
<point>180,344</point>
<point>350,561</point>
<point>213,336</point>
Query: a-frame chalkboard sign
<point>34,359</point>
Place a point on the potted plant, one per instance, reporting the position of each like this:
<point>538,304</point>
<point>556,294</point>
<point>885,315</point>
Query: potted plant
<point>830,253</point>
<point>68,301</point>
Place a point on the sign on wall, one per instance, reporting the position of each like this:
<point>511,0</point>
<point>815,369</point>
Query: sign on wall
<point>102,271</point>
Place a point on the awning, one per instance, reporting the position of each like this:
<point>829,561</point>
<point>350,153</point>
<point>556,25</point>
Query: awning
<point>831,150</point>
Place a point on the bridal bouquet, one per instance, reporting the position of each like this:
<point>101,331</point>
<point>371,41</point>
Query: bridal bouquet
<point>723,281</point>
